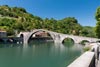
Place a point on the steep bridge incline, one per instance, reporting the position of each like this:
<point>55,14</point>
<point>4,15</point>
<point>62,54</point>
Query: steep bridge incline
<point>57,37</point>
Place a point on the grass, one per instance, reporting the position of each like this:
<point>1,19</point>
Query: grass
<point>87,48</point>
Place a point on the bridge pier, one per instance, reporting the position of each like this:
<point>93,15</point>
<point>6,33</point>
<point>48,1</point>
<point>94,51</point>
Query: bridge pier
<point>57,41</point>
<point>25,41</point>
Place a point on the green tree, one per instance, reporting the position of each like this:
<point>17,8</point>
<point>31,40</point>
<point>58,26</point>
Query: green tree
<point>17,18</point>
<point>97,28</point>
<point>88,31</point>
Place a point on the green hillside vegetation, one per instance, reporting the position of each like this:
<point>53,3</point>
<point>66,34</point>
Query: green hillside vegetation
<point>18,19</point>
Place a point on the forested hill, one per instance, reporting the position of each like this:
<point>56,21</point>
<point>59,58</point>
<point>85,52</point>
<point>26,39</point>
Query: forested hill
<point>18,19</point>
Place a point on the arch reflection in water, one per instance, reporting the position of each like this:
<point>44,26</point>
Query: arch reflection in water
<point>39,55</point>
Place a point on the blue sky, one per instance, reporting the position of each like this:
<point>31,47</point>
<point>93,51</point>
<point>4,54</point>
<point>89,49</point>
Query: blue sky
<point>82,10</point>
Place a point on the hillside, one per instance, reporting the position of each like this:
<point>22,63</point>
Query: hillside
<point>18,19</point>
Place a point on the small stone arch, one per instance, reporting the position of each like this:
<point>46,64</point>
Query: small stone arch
<point>83,42</point>
<point>68,38</point>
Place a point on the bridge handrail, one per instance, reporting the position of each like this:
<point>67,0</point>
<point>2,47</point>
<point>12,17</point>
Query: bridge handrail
<point>84,60</point>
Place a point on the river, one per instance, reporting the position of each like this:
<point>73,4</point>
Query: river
<point>38,55</point>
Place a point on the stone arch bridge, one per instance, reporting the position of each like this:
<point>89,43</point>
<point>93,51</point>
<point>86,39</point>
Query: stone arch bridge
<point>57,37</point>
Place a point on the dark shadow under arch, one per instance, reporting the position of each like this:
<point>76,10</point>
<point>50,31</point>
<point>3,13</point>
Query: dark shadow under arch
<point>1,40</point>
<point>21,36</point>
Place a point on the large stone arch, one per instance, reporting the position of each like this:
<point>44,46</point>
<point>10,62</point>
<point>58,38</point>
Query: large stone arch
<point>27,37</point>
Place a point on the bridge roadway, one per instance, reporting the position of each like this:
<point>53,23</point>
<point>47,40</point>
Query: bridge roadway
<point>57,37</point>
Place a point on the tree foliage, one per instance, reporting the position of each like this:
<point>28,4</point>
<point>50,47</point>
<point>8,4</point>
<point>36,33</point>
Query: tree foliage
<point>17,18</point>
<point>97,28</point>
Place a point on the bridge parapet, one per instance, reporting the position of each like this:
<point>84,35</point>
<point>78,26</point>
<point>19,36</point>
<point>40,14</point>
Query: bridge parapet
<point>85,60</point>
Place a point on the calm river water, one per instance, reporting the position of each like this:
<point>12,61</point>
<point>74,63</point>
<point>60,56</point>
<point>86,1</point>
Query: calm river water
<point>38,55</point>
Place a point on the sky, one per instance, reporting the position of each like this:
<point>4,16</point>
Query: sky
<point>83,10</point>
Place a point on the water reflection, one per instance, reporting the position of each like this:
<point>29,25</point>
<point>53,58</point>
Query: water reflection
<point>10,45</point>
<point>38,54</point>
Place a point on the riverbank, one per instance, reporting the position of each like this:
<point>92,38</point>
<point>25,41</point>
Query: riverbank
<point>10,40</point>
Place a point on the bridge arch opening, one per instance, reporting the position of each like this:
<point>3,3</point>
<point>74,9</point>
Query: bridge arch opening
<point>68,42</point>
<point>40,36</point>
<point>83,42</point>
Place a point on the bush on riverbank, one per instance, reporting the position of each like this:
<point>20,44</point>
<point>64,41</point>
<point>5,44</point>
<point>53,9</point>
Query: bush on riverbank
<point>86,48</point>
